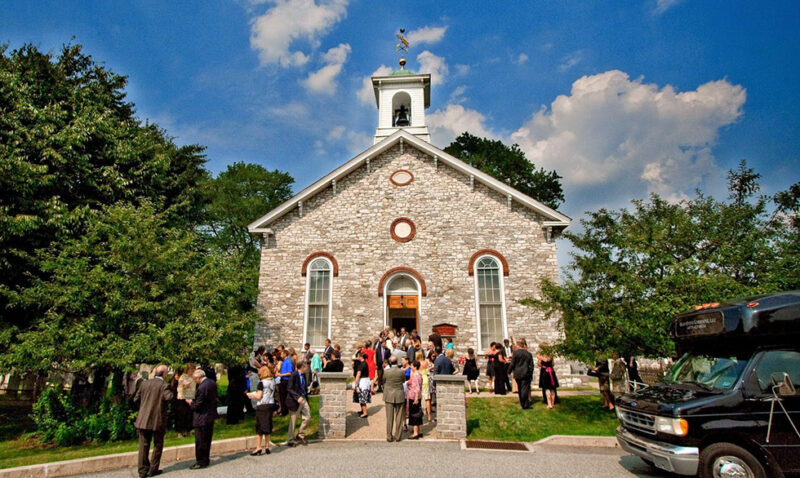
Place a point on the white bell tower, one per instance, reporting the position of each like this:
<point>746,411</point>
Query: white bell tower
<point>402,99</point>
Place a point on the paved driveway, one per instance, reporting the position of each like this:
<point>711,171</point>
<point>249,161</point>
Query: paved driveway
<point>379,458</point>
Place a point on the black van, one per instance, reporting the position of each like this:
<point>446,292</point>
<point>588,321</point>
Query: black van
<point>728,407</point>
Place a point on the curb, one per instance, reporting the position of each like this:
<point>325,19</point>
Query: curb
<point>575,441</point>
<point>175,454</point>
<point>123,460</point>
<point>579,441</point>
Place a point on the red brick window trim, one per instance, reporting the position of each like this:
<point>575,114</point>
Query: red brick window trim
<point>487,252</point>
<point>406,221</point>
<point>394,181</point>
<point>320,254</point>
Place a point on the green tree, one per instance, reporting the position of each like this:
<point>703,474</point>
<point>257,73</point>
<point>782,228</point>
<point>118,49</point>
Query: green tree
<point>509,164</point>
<point>634,270</point>
<point>237,197</point>
<point>134,289</point>
<point>786,222</point>
<point>70,144</point>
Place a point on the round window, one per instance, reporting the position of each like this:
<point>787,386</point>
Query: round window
<point>401,177</point>
<point>402,229</point>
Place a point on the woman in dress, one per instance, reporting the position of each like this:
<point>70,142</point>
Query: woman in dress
<point>500,371</point>
<point>548,381</point>
<point>185,390</point>
<point>490,357</point>
<point>414,395</point>
<point>265,396</point>
<point>367,349</point>
<point>425,367</point>
<point>471,370</point>
<point>361,386</point>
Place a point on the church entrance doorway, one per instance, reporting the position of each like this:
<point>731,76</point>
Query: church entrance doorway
<point>402,302</point>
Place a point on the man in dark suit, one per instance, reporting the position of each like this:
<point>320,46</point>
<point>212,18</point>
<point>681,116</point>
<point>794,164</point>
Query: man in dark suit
<point>443,365</point>
<point>297,404</point>
<point>327,353</point>
<point>204,407</point>
<point>522,367</point>
<point>151,422</point>
<point>394,399</point>
<point>382,355</point>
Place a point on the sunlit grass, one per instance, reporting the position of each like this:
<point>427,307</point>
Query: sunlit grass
<point>503,419</point>
<point>21,451</point>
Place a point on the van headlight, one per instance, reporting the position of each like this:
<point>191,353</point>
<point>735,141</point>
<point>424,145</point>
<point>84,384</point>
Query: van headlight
<point>673,426</point>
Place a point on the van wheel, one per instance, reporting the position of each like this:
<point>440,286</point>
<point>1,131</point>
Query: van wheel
<point>726,460</point>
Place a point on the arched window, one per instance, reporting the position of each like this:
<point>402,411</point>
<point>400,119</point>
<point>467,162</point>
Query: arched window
<point>490,301</point>
<point>318,301</point>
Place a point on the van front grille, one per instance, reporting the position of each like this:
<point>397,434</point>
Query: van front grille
<point>638,421</point>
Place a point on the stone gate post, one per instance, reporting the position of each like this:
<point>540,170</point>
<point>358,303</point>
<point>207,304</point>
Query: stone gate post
<point>333,404</point>
<point>451,406</point>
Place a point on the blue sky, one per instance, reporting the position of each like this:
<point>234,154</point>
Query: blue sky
<point>621,98</point>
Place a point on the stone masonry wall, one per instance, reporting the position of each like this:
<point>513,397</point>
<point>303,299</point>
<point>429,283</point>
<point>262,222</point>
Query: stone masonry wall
<point>451,407</point>
<point>453,221</point>
<point>333,404</point>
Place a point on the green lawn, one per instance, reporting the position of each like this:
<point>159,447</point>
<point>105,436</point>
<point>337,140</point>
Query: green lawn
<point>18,450</point>
<point>503,419</point>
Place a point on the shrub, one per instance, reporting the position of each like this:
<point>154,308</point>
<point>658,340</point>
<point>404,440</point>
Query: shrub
<point>61,421</point>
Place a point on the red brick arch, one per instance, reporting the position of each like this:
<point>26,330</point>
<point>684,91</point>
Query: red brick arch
<point>423,288</point>
<point>320,254</point>
<point>485,252</point>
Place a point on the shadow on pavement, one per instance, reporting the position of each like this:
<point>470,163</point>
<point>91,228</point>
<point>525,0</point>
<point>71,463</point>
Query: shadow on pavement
<point>635,465</point>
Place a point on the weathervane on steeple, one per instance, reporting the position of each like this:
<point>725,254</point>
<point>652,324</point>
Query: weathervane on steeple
<point>402,47</point>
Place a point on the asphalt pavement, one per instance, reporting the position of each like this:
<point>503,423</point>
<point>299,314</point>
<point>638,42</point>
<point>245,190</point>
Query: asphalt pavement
<point>350,458</point>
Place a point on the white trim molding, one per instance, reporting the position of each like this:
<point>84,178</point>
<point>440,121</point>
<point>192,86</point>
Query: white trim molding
<point>501,273</point>
<point>551,217</point>
<point>330,299</point>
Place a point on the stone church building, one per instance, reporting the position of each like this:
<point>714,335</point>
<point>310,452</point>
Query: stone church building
<point>405,235</point>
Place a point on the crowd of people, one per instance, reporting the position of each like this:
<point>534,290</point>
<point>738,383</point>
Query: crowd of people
<point>278,382</point>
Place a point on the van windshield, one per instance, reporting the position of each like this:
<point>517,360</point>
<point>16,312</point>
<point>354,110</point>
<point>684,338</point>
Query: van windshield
<point>708,372</point>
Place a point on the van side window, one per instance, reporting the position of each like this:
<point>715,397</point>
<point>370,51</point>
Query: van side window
<point>778,361</point>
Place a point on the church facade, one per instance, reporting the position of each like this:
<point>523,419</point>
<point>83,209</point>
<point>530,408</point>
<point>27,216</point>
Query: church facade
<point>405,235</point>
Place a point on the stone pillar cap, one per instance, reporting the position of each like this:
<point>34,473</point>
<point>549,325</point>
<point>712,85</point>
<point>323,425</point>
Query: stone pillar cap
<point>448,378</point>
<point>344,375</point>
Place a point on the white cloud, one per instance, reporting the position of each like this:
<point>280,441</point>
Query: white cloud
<point>462,70</point>
<point>664,5</point>
<point>426,35</point>
<point>448,123</point>
<point>366,95</point>
<point>433,64</point>
<point>457,96</point>
<point>520,59</point>
<point>613,138</point>
<point>274,32</point>
<point>570,60</point>
<point>324,79</point>
<point>354,141</point>
<point>293,111</point>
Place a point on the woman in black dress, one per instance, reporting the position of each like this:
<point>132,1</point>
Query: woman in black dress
<point>548,381</point>
<point>471,370</point>
<point>500,371</point>
<point>490,356</point>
